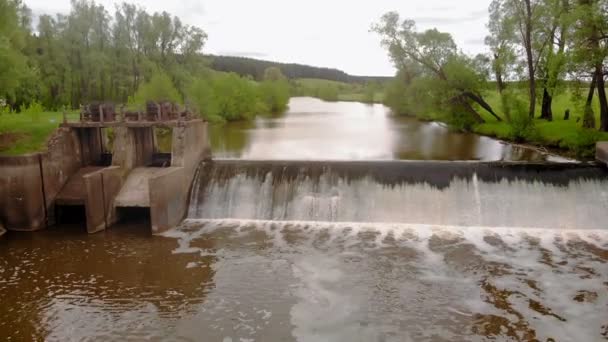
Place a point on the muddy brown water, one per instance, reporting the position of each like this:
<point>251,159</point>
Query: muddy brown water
<point>256,275</point>
<point>239,280</point>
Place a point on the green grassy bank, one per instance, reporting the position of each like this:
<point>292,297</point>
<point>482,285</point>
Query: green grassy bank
<point>566,135</point>
<point>22,133</point>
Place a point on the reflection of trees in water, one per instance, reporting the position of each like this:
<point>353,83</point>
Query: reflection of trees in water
<point>112,273</point>
<point>230,140</point>
<point>416,139</point>
<point>517,153</point>
<point>429,140</point>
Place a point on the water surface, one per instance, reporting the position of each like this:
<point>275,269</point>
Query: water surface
<point>240,280</point>
<point>315,129</point>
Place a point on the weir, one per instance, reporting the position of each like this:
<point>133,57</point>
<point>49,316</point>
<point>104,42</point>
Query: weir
<point>496,194</point>
<point>108,180</point>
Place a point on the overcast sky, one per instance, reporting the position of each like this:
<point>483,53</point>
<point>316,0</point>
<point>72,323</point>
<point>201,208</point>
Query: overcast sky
<point>324,33</point>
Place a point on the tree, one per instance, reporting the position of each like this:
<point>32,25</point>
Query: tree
<point>553,61</point>
<point>273,74</point>
<point>437,55</point>
<point>590,49</point>
<point>519,25</point>
<point>274,90</point>
<point>159,88</point>
<point>13,34</point>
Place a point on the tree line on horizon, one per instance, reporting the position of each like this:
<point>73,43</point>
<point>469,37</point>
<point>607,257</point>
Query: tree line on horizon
<point>538,49</point>
<point>255,68</point>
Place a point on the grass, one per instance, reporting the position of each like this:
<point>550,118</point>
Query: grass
<point>27,133</point>
<point>567,135</point>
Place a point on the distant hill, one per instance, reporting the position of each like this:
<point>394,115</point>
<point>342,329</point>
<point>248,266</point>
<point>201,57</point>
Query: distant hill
<point>255,68</point>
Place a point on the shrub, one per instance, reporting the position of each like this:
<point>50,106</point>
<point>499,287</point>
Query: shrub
<point>226,97</point>
<point>160,87</point>
<point>275,95</point>
<point>328,92</point>
<point>33,110</point>
<point>522,126</point>
<point>583,143</point>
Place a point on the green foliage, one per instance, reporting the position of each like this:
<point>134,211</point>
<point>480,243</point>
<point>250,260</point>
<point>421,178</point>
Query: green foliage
<point>274,90</point>
<point>369,94</point>
<point>522,126</point>
<point>327,92</point>
<point>451,83</point>
<point>583,142</point>
<point>159,88</point>
<point>91,54</point>
<point>273,74</point>
<point>226,97</point>
<point>33,110</point>
<point>275,94</point>
<point>13,63</point>
<point>27,134</point>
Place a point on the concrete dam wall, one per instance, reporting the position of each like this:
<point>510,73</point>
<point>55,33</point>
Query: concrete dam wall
<point>568,196</point>
<point>80,170</point>
<point>29,184</point>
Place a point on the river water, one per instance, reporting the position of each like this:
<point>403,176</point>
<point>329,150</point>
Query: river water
<point>333,251</point>
<point>313,129</point>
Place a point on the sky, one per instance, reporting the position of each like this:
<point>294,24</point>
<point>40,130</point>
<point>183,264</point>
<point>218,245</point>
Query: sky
<point>323,33</point>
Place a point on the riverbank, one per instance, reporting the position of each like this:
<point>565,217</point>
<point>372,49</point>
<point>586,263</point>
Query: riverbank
<point>564,137</point>
<point>20,134</point>
<point>27,133</point>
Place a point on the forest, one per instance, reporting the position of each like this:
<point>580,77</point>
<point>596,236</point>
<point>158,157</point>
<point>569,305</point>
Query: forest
<point>255,68</point>
<point>542,79</point>
<point>127,56</point>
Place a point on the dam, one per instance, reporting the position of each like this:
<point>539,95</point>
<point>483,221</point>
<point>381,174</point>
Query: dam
<point>334,222</point>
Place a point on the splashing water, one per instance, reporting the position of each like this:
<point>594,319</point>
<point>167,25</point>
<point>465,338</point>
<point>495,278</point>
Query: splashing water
<point>393,282</point>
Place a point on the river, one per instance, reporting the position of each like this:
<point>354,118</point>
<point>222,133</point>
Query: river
<point>316,130</point>
<point>342,250</point>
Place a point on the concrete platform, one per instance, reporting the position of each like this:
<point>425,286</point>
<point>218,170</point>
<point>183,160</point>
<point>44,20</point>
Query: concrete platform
<point>136,191</point>
<point>74,191</point>
<point>601,152</point>
<point>132,124</point>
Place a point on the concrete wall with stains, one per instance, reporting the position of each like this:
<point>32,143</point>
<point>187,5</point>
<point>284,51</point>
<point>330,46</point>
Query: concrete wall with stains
<point>169,192</point>
<point>30,183</point>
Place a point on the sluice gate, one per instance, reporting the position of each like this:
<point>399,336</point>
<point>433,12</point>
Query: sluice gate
<point>83,169</point>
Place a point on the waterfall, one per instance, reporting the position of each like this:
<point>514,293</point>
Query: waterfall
<point>436,193</point>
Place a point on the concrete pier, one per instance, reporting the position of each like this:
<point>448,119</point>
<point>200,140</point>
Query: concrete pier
<point>601,152</point>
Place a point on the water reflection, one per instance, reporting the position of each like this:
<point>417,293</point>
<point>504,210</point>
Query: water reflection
<point>314,129</point>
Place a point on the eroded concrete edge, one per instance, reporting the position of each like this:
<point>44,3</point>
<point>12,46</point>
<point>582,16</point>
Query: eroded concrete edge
<point>601,152</point>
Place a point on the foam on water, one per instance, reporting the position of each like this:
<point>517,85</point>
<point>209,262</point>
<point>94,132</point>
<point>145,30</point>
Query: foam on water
<point>396,282</point>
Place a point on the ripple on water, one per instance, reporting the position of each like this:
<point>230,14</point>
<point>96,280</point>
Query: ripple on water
<point>239,280</point>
